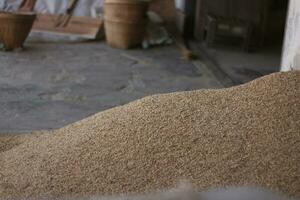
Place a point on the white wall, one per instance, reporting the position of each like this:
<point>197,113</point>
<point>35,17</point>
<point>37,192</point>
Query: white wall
<point>291,48</point>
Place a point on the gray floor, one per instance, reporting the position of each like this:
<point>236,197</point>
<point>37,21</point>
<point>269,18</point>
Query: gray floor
<point>239,66</point>
<point>56,81</point>
<point>52,84</point>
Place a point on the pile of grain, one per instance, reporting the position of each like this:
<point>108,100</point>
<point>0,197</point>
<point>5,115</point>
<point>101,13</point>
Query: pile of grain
<point>243,135</point>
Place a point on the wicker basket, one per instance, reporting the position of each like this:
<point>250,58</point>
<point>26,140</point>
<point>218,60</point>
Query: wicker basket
<point>125,22</point>
<point>14,28</point>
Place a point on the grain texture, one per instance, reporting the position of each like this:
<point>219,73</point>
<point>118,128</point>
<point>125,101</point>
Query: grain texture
<point>245,135</point>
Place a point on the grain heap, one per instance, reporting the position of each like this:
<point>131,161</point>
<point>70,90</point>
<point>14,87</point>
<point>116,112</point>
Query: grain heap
<point>238,136</point>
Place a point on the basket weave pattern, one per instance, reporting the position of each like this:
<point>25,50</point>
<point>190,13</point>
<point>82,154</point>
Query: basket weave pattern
<point>14,29</point>
<point>125,22</point>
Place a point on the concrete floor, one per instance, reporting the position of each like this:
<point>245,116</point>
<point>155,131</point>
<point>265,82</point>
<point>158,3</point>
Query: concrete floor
<point>56,80</point>
<point>238,66</point>
<point>51,84</point>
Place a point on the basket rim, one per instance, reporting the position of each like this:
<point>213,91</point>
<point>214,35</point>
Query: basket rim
<point>139,2</point>
<point>122,21</point>
<point>15,15</point>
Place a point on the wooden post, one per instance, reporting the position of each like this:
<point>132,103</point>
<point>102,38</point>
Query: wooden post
<point>200,20</point>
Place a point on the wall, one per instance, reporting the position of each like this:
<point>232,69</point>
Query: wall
<point>291,48</point>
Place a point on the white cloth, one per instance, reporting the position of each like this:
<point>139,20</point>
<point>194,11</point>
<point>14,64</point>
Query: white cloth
<point>84,7</point>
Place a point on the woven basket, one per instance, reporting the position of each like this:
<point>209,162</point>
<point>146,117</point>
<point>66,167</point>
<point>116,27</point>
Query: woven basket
<point>125,22</point>
<point>14,28</point>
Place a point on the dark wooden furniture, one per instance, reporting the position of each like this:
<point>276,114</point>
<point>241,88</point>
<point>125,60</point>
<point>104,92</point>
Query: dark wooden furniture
<point>221,27</point>
<point>254,12</point>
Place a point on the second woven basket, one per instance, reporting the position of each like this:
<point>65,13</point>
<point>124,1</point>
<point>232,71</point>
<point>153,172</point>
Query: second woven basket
<point>125,22</point>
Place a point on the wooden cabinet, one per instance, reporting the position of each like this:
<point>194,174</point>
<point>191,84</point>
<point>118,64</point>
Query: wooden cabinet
<point>254,11</point>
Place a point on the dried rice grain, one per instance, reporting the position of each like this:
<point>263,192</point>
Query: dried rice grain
<point>245,135</point>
